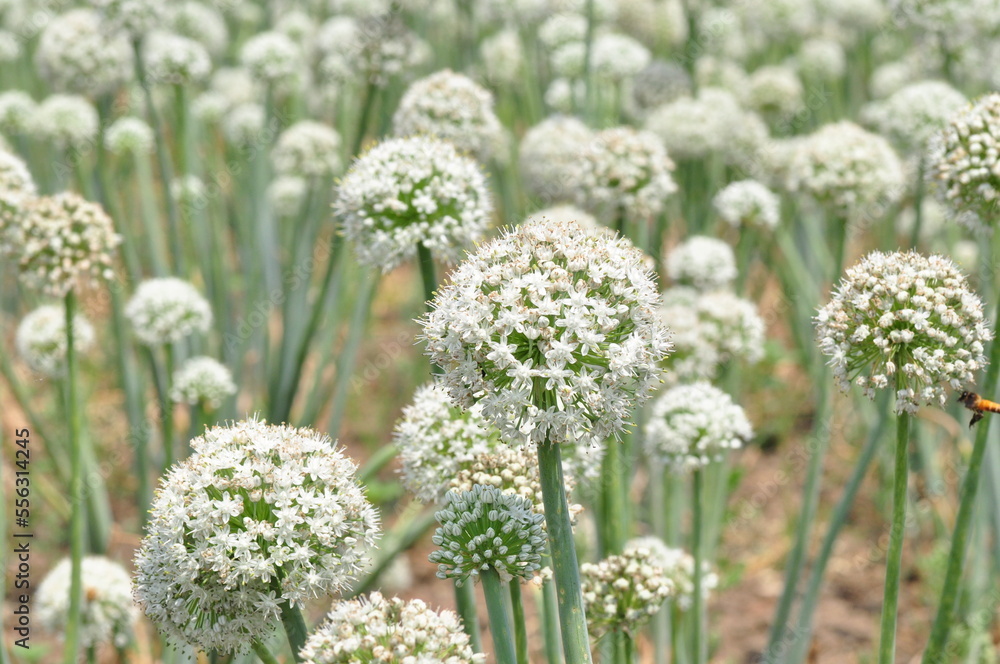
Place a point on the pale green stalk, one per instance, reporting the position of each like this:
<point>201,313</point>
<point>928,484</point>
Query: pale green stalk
<point>465,603</point>
<point>572,619</point>
<point>550,620</point>
<point>295,628</point>
<point>263,653</point>
<point>520,628</point>
<point>349,353</point>
<point>72,636</point>
<point>697,606</point>
<point>890,598</point>
<point>500,627</point>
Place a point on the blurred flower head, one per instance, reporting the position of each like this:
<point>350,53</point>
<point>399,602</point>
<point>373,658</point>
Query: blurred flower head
<point>41,338</point>
<point>202,381</point>
<point>622,591</point>
<point>748,203</point>
<point>702,262</point>
<point>167,309</point>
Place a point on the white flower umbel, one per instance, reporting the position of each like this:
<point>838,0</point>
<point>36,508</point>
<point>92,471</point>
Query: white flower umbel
<point>76,54</point>
<point>166,310</point>
<point>58,242</point>
<point>136,17</point>
<point>911,116</point>
<point>200,22</point>
<point>702,262</point>
<point>15,178</point>
<point>67,121</point>
<point>776,92</point>
<point>909,313</point>
<point>748,203</point>
<point>175,60</point>
<point>202,381</point>
<point>658,83</point>
<point>621,592</point>
<point>502,56</point>
<point>259,517</point>
<point>286,194</point>
<point>372,49</point>
<point>17,110</point>
<point>272,57</point>
<point>548,154</point>
<point>407,191</point>
<point>390,630</point>
<point>129,136</point>
<point>678,566</point>
<point>552,329</point>
<point>438,442</point>
<point>453,108</point>
<point>623,173</point>
<point>708,330</point>
<point>244,125</point>
<point>963,161</point>
<point>850,172</point>
<point>487,529</point>
<point>41,338</point>
<point>691,426</point>
<point>107,614</point>
<point>307,149</point>
<point>566,213</point>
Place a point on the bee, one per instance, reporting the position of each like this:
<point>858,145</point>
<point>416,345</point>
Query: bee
<point>978,405</point>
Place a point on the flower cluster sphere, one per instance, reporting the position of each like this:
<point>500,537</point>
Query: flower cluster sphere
<point>258,515</point>
<point>623,591</point>
<point>906,315</point>
<point>552,329</point>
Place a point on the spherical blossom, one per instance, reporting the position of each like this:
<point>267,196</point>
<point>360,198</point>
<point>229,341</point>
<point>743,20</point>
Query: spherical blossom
<point>963,160</point>
<point>621,592</point>
<point>658,83</point>
<point>708,330</point>
<point>487,529</point>
<point>703,262</point>
<point>678,566</point>
<point>821,58</point>
<point>299,26</point>
<point>75,54</point>
<point>502,57</point>
<point>259,515</point>
<point>748,203</point>
<point>661,25</point>
<point>41,338</point>
<point>372,49</point>
<point>614,57</point>
<point>915,113</point>
<point>17,109</point>
<point>286,194</point>
<point>693,425</point>
<point>200,22</point>
<point>106,613</point>
<point>66,121</point>
<point>58,242</point>
<point>906,322</point>
<point>407,191</point>
<point>175,60</point>
<point>15,178</point>
<point>548,155</point>
<point>721,73</point>
<point>189,192</point>
<point>622,172</point>
<point>136,17</point>
<point>710,124</point>
<point>389,630</point>
<point>166,310</point>
<point>271,57</point>
<point>892,77</point>
<point>202,381</point>
<point>847,170</point>
<point>438,443</point>
<point>561,29</point>
<point>452,107</point>
<point>775,91</point>
<point>129,136</point>
<point>552,329</point>
<point>236,85</point>
<point>244,124</point>
<point>308,149</point>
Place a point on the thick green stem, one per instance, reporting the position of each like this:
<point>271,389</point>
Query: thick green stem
<point>614,528</point>
<point>697,605</point>
<point>465,602</point>
<point>918,205</point>
<point>890,599</point>
<point>263,653</point>
<point>295,628</point>
<point>72,648</point>
<point>503,635</point>
<point>841,511</point>
<point>550,621</point>
<point>960,539</point>
<point>572,619</point>
<point>167,410</point>
<point>520,627</point>
<point>366,108</point>
<point>427,274</point>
